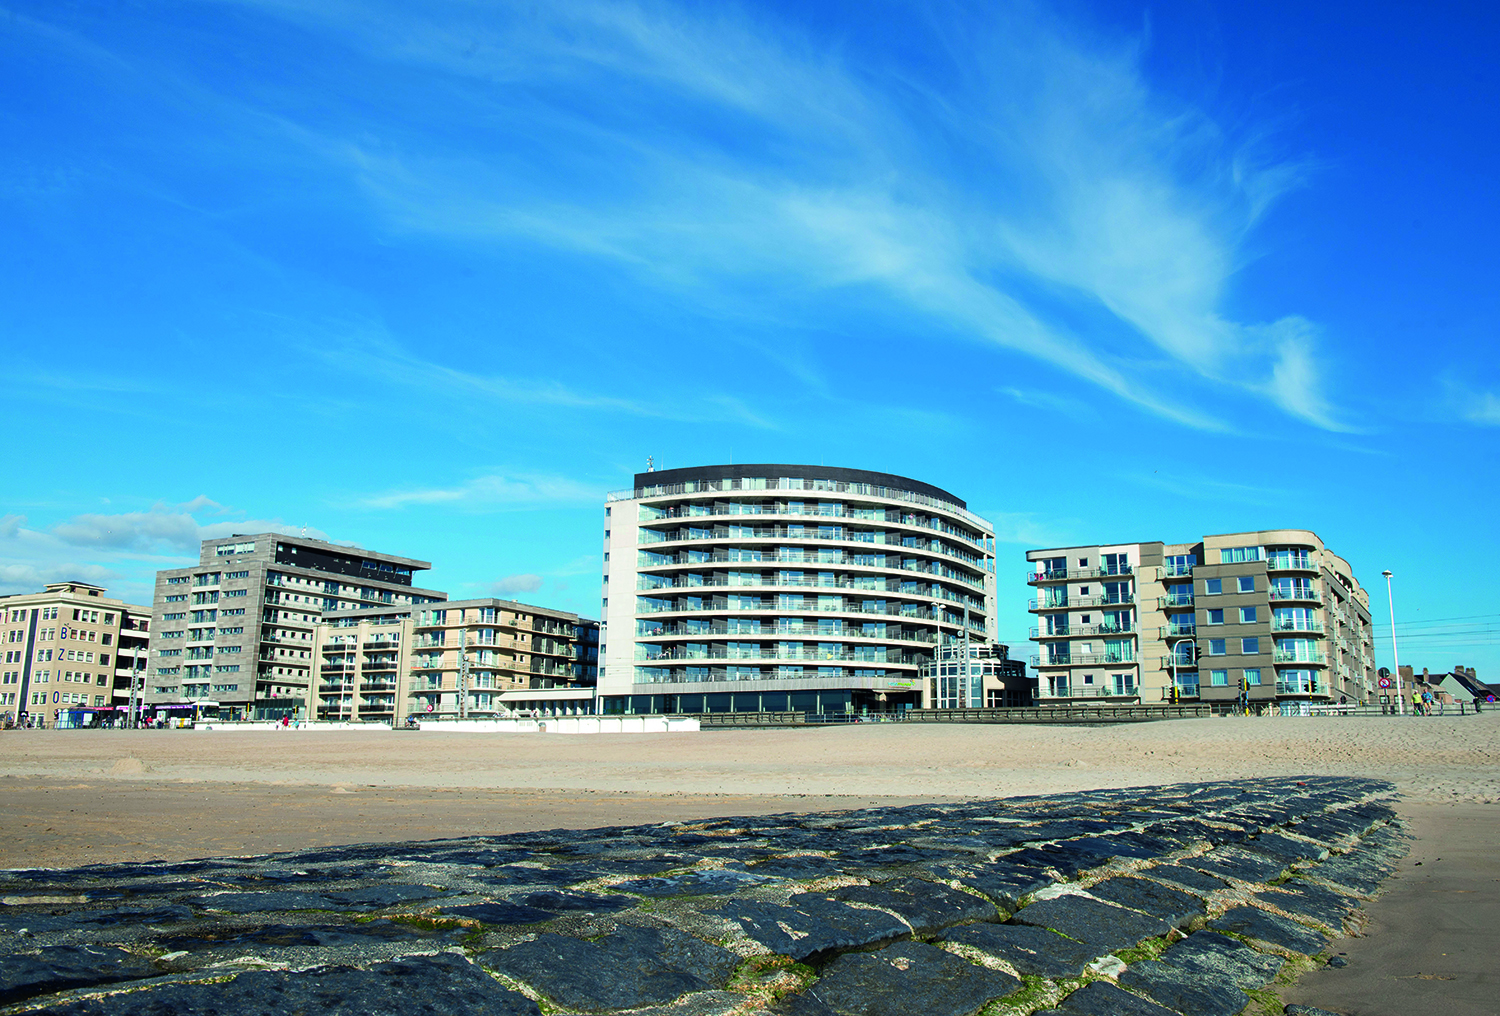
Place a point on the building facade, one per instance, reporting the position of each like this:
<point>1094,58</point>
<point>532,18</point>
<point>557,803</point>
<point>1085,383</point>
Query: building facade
<point>752,588</point>
<point>237,628</point>
<point>69,649</point>
<point>362,665</point>
<point>488,658</point>
<point>974,676</point>
<point>1267,616</point>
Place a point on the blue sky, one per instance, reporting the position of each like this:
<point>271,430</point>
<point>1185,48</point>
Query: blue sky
<point>431,278</point>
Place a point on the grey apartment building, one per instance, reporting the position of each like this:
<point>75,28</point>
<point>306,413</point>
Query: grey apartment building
<point>237,628</point>
<point>1271,616</point>
<point>770,587</point>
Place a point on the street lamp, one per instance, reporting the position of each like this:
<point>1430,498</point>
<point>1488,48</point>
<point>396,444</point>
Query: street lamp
<point>1395,654</point>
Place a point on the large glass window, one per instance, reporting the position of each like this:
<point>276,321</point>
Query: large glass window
<point>1238,555</point>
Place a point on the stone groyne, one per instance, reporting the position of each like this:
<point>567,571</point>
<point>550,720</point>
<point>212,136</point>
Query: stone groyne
<point>1150,901</point>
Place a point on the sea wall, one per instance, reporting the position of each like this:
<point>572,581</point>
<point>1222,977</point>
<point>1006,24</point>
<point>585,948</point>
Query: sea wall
<point>1148,901</point>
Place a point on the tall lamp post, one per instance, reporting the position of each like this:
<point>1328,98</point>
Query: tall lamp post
<point>937,652</point>
<point>1395,654</point>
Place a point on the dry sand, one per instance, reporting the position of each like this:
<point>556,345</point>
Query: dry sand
<point>73,797</point>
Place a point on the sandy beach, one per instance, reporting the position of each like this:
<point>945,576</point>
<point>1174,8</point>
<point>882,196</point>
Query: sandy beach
<point>77,797</point>
<point>80,797</point>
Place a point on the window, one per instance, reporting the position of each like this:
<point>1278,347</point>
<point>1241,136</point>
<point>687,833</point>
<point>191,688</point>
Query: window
<point>1252,676</point>
<point>1215,617</point>
<point>1213,587</point>
<point>1250,647</point>
<point>1246,583</point>
<point>176,580</point>
<point>1216,647</point>
<point>1218,678</point>
<point>1238,555</point>
<point>1247,615</point>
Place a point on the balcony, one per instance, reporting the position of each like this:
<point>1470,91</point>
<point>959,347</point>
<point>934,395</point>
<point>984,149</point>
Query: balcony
<point>1303,594</point>
<point>1308,624</point>
<point>1175,602</point>
<point>1315,657</point>
<point>1173,569</point>
<point>1290,562</point>
<point>1301,688</point>
<point>1083,660</point>
<point>1064,575</point>
<point>1075,602</point>
<point>1178,631</point>
<point>1077,630</point>
<point>1178,663</point>
<point>1088,691</point>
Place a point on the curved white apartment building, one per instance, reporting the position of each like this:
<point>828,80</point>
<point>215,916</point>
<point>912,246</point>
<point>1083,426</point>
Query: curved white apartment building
<point>751,588</point>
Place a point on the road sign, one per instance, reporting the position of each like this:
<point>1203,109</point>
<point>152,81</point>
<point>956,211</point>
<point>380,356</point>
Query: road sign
<point>1385,682</point>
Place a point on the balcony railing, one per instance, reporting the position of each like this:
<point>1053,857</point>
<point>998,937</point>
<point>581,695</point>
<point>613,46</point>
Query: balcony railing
<point>873,584</point>
<point>1289,562</point>
<point>1307,624</point>
<point>1301,688</point>
<point>1175,601</point>
<point>1176,631</point>
<point>808,655</point>
<point>1076,630</point>
<point>1304,593</point>
<point>1064,574</point>
<point>1082,659</point>
<point>780,631</point>
<point>1173,569</point>
<point>1301,656</point>
<point>1041,603</point>
<point>1072,691</point>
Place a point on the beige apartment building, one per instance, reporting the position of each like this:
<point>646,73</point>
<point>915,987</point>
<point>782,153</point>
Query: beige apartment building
<point>493,658</point>
<point>1266,617</point>
<point>361,666</point>
<point>235,631</point>
<point>70,652</point>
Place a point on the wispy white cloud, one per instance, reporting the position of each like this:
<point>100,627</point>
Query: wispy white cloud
<point>121,548</point>
<point>372,352</point>
<point>1028,529</point>
<point>512,584</point>
<point>1043,170</point>
<point>493,490</point>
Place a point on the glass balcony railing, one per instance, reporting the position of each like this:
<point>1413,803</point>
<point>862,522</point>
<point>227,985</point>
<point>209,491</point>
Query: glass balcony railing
<point>1290,562</point>
<point>1073,631</point>
<point>1176,600</point>
<point>1300,656</point>
<point>1173,631</point>
<point>1060,574</point>
<point>1082,659</point>
<point>1304,593</point>
<point>1301,687</point>
<point>1174,569</point>
<point>1307,624</point>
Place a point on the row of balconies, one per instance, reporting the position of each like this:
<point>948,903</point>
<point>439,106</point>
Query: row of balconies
<point>726,534</point>
<point>809,655</point>
<point>1067,574</point>
<point>777,630</point>
<point>811,511</point>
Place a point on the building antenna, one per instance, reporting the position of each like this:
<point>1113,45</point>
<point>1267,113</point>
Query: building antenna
<point>650,463</point>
